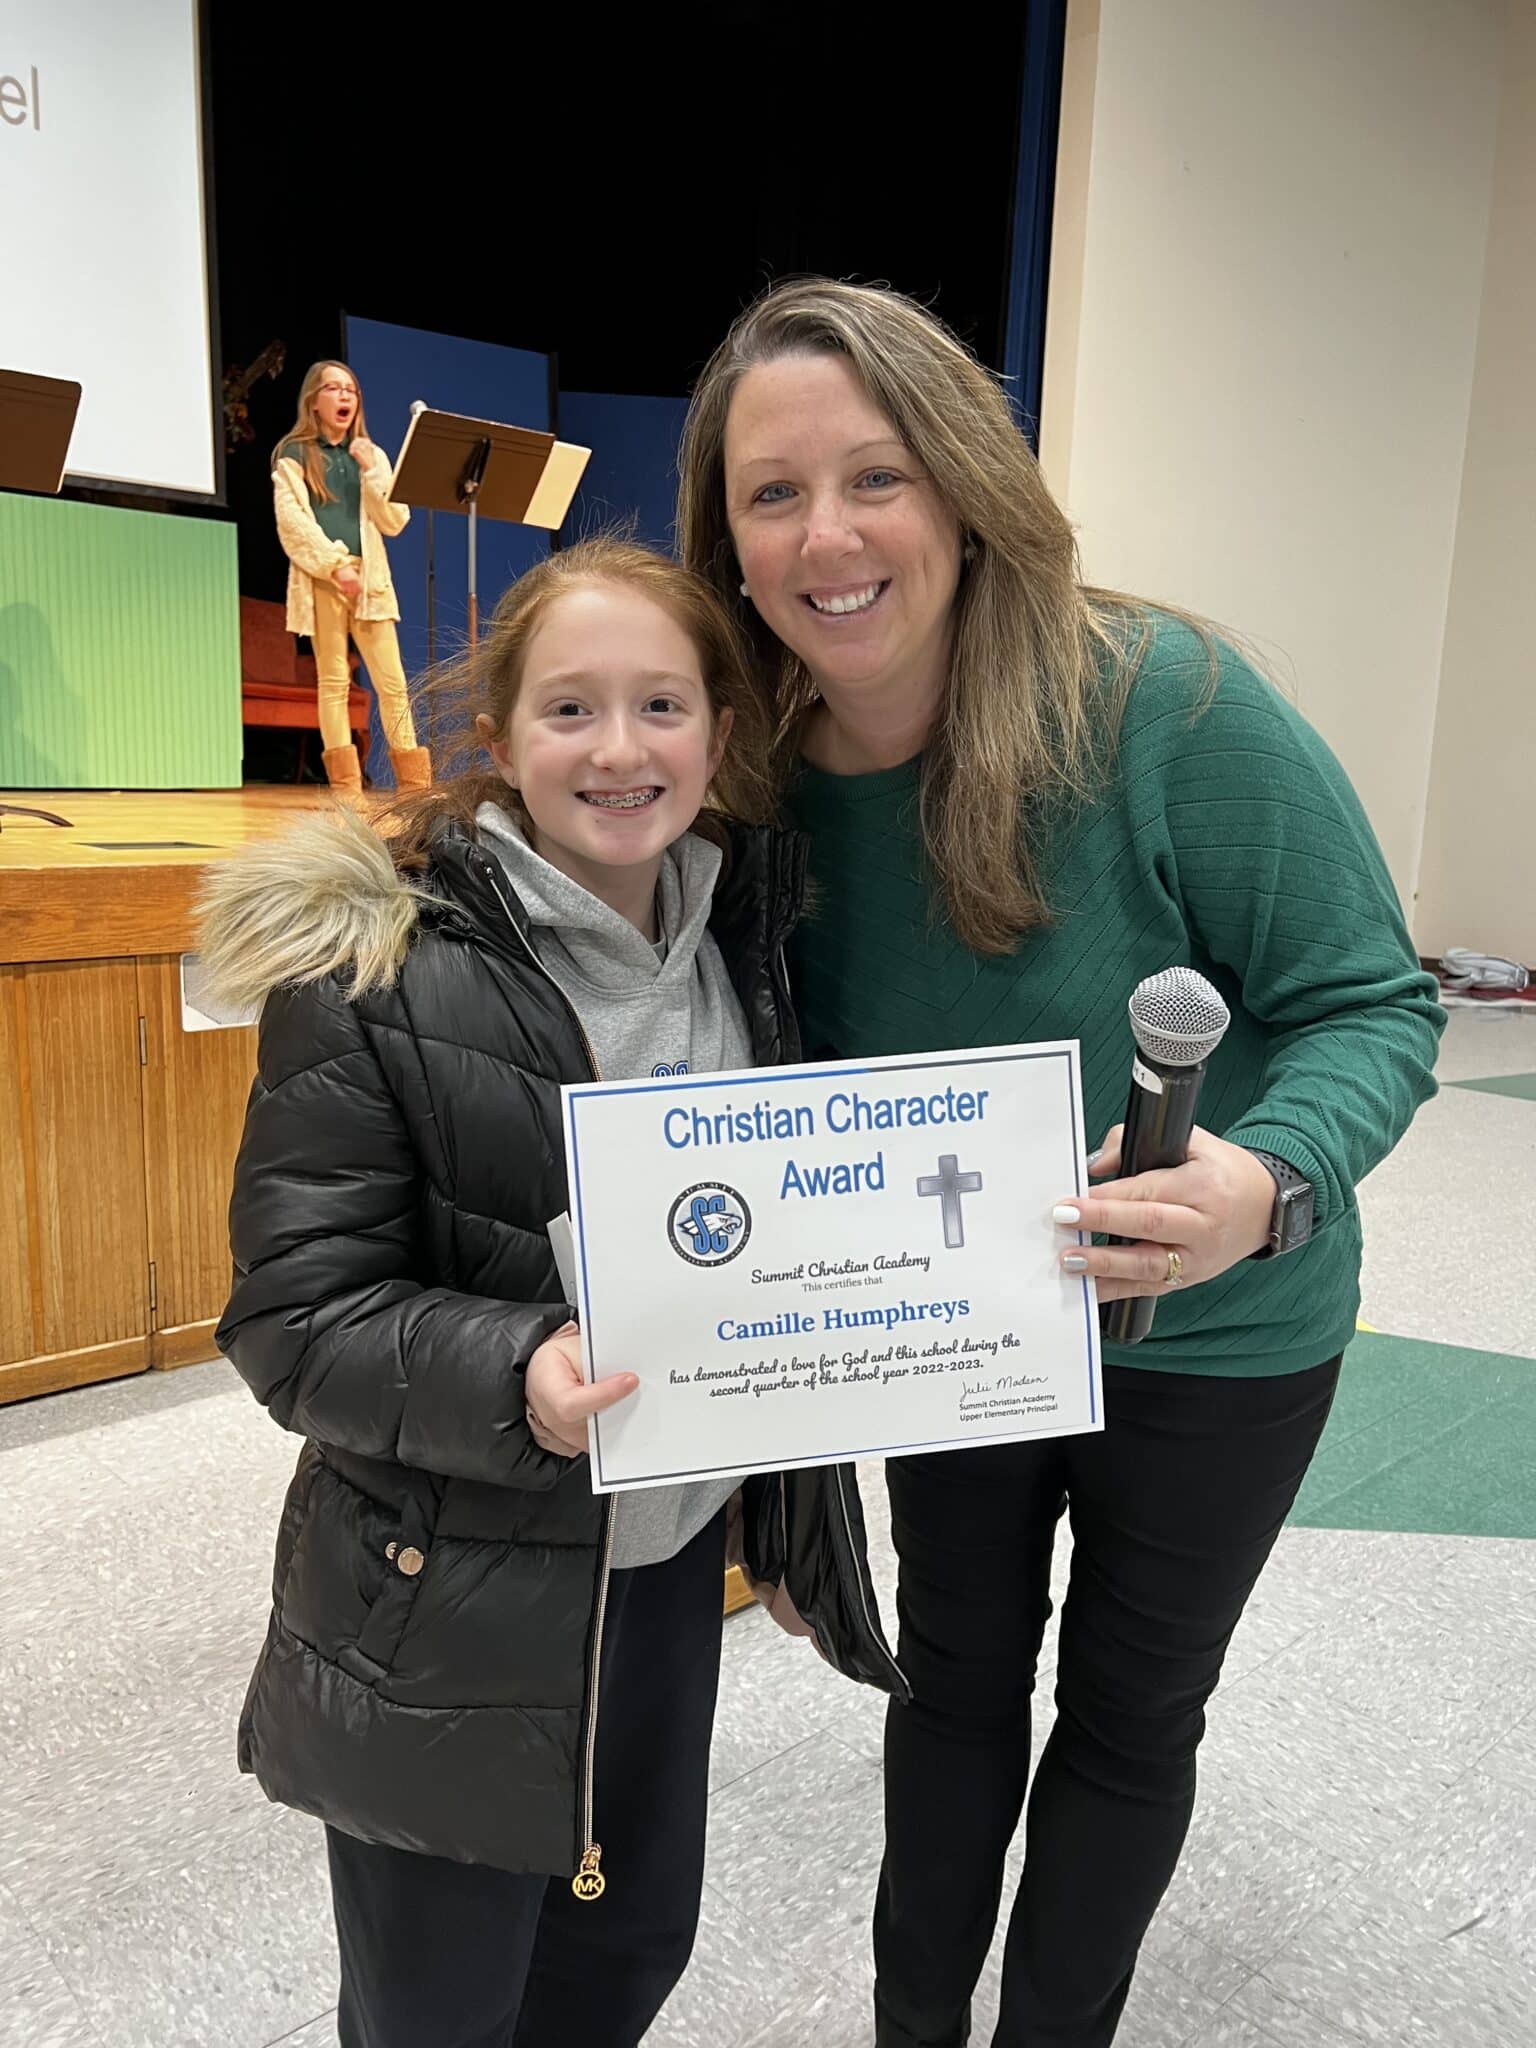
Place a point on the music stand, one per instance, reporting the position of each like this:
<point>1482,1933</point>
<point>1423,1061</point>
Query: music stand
<point>451,463</point>
<point>37,418</point>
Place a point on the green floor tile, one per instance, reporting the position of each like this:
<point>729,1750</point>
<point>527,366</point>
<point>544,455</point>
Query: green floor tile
<point>1521,1085</point>
<point>1515,1515</point>
<point>1426,1437</point>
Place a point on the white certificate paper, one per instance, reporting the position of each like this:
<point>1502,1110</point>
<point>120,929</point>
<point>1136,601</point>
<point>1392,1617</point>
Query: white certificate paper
<point>806,1264</point>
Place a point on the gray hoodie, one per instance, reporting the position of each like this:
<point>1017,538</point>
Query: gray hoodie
<point>646,1009</point>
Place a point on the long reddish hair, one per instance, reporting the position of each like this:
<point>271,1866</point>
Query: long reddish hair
<point>487,678</point>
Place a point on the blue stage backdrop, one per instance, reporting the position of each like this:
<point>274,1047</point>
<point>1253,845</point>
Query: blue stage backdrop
<point>632,476</point>
<point>1034,198</point>
<point>395,365</point>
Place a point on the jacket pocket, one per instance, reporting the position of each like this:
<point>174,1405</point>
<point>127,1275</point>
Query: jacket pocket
<point>353,1572</point>
<point>405,1560</point>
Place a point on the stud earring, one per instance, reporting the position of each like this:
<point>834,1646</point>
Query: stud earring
<point>744,590</point>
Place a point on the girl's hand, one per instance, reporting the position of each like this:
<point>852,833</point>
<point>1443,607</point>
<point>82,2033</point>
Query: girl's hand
<point>361,450</point>
<point>1212,1211</point>
<point>559,1400</point>
<point>348,582</point>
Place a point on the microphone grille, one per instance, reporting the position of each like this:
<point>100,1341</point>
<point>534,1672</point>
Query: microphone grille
<point>1177,1017</point>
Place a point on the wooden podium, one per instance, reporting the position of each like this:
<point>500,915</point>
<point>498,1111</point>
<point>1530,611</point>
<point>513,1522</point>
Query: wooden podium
<point>118,1128</point>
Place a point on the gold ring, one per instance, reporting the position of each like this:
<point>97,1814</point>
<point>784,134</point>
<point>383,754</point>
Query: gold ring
<point>1175,1270</point>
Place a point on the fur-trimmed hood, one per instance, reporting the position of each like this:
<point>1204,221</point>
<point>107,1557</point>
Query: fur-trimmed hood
<point>325,898</point>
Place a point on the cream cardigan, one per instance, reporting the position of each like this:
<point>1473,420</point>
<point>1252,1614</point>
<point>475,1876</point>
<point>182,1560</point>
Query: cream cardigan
<point>313,554</point>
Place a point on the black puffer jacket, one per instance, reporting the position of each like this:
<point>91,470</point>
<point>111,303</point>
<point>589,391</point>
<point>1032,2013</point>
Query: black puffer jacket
<point>428,1676</point>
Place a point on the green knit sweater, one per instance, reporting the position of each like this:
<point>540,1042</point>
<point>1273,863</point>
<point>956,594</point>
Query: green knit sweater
<point>1228,839</point>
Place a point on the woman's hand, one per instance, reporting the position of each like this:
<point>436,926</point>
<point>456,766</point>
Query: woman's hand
<point>558,1399</point>
<point>348,582</point>
<point>361,450</point>
<point>1212,1211</point>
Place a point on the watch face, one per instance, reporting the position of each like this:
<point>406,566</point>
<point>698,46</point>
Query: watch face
<point>1295,1218</point>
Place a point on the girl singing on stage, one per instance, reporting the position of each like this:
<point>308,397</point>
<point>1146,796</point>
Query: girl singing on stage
<point>330,486</point>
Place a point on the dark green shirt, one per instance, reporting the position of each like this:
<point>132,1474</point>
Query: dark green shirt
<point>1230,841</point>
<point>340,517</point>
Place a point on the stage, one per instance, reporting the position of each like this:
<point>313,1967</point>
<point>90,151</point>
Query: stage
<point>118,1127</point>
<point>121,877</point>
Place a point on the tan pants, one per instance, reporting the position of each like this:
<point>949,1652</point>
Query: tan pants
<point>380,649</point>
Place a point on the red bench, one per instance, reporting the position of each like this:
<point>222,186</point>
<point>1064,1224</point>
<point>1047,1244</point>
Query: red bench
<point>277,683</point>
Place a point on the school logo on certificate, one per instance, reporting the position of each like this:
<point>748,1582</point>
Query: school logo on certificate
<point>708,1224</point>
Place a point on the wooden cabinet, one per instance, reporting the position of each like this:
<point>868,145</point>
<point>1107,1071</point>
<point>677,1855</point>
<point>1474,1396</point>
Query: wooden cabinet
<point>117,1138</point>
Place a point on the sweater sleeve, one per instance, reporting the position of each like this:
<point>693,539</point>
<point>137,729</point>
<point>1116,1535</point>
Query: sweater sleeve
<point>386,515</point>
<point>303,541</point>
<point>1282,882</point>
<point>326,1322</point>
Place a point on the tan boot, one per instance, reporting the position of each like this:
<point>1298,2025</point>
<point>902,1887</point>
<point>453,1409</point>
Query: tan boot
<point>412,766</point>
<point>344,772</point>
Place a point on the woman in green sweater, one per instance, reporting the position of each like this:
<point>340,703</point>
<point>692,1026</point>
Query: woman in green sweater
<point>1023,796</point>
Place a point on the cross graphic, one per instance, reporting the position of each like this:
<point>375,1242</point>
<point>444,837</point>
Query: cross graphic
<point>949,1184</point>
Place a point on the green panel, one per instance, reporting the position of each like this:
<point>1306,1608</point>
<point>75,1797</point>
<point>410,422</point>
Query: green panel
<point>119,648</point>
<point>1521,1086</point>
<point>1426,1437</point>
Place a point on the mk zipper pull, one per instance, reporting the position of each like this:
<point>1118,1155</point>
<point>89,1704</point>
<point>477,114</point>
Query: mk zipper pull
<point>589,1883</point>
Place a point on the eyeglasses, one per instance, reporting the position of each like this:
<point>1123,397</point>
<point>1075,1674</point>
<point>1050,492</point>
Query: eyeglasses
<point>341,390</point>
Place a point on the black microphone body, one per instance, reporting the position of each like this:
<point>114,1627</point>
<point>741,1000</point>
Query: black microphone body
<point>1159,1117</point>
<point>1177,1021</point>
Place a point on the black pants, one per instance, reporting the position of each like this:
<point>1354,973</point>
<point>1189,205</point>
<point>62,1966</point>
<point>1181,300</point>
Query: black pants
<point>455,1955</point>
<point>1174,1509</point>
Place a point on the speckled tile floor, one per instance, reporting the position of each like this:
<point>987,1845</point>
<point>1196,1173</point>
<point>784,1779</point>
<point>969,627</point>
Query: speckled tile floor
<point>1362,1867</point>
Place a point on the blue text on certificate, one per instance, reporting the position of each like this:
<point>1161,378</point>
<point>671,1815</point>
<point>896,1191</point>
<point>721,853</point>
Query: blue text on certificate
<point>845,1112</point>
<point>800,1323</point>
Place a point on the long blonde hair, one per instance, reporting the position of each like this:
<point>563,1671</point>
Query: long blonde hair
<point>486,680</point>
<point>1041,664</point>
<point>306,429</point>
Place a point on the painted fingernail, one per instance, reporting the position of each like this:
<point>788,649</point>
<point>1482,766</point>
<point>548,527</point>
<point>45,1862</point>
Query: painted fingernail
<point>1065,1213</point>
<point>1095,1155</point>
<point>1074,1263</point>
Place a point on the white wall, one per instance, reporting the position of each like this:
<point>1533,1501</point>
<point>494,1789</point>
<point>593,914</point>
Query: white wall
<point>1267,269</point>
<point>1477,881</point>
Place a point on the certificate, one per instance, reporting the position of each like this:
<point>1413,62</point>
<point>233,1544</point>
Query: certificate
<point>805,1264</point>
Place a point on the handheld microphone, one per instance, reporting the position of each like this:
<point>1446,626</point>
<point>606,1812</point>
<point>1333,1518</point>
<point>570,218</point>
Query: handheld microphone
<point>1177,1019</point>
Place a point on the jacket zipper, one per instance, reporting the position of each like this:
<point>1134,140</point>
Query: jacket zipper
<point>589,1883</point>
<point>875,1635</point>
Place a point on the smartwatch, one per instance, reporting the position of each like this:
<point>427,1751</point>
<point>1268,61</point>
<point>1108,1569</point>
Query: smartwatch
<point>1290,1220</point>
